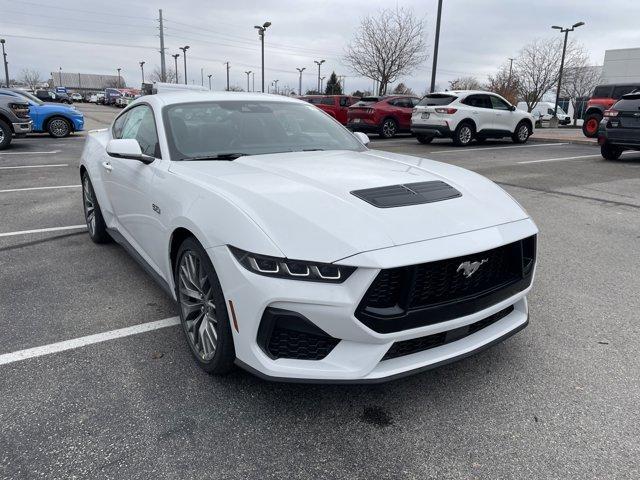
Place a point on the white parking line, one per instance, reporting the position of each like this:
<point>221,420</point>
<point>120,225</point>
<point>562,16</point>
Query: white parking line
<point>88,340</point>
<point>562,159</point>
<point>51,165</point>
<point>28,153</point>
<point>42,230</point>
<point>38,188</point>
<point>463,150</point>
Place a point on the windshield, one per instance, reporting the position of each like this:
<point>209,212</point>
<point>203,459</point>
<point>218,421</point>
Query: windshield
<point>436,99</point>
<point>366,101</point>
<point>229,129</point>
<point>30,97</point>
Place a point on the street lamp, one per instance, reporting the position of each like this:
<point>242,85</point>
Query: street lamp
<point>261,30</point>
<point>318,63</point>
<point>248,73</point>
<point>60,75</point>
<point>322,84</point>
<point>300,70</point>
<point>175,61</point>
<point>275,84</point>
<point>435,48</point>
<point>184,57</point>
<point>6,65</point>
<point>209,80</point>
<point>142,69</point>
<point>253,81</point>
<point>118,77</point>
<point>553,123</point>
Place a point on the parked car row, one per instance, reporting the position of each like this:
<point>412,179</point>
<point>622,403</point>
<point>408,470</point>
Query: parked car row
<point>603,98</point>
<point>34,115</point>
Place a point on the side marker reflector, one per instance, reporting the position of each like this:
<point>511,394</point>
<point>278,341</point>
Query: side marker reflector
<point>233,316</point>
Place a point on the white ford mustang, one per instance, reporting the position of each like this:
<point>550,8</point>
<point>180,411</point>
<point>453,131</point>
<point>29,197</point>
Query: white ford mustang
<point>296,252</point>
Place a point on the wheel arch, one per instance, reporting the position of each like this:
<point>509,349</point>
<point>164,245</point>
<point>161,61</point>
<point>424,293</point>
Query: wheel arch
<point>527,121</point>
<point>470,121</point>
<point>594,110</point>
<point>47,120</point>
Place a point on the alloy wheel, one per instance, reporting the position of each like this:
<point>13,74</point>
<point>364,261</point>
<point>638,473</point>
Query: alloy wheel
<point>523,133</point>
<point>592,125</point>
<point>1,135</point>
<point>199,317</point>
<point>59,127</point>
<point>389,128</point>
<point>89,205</point>
<point>465,135</point>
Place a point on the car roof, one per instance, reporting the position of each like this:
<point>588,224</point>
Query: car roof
<point>170,98</point>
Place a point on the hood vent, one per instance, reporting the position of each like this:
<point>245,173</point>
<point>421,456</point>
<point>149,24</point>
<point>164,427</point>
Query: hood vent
<point>407,194</point>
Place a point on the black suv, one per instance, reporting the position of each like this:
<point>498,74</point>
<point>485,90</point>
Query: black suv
<point>51,96</point>
<point>620,128</point>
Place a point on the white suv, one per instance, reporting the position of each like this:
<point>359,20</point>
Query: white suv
<point>463,115</point>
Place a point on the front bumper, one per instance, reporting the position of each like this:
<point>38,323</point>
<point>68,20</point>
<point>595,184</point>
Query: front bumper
<point>20,128</point>
<point>358,356</point>
<point>78,123</point>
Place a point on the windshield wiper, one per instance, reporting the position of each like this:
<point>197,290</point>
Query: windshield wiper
<point>219,156</point>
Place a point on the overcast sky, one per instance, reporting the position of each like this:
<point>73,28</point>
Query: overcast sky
<point>476,35</point>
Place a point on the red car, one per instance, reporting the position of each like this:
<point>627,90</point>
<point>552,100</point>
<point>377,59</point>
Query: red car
<point>603,98</point>
<point>387,116</point>
<point>334,105</point>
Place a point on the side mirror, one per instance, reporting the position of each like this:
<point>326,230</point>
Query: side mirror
<point>512,108</point>
<point>363,137</point>
<point>127,148</point>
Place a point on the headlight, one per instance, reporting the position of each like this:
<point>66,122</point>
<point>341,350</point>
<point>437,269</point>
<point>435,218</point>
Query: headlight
<point>292,269</point>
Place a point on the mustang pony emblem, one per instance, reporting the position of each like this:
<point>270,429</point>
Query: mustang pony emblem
<point>469,268</point>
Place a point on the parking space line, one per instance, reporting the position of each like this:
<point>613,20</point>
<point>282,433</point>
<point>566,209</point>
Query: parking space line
<point>29,153</point>
<point>88,340</point>
<point>566,158</point>
<point>51,165</point>
<point>42,230</point>
<point>38,188</point>
<point>463,150</point>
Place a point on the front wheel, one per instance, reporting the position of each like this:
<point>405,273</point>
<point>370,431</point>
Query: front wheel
<point>521,133</point>
<point>203,312</point>
<point>5,135</point>
<point>92,214</point>
<point>59,127</point>
<point>389,128</point>
<point>610,152</point>
<point>591,125</point>
<point>424,139</point>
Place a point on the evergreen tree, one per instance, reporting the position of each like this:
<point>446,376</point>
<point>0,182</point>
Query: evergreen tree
<point>333,86</point>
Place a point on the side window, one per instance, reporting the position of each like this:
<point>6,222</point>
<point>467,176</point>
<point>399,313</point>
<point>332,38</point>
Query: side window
<point>550,111</point>
<point>498,103</point>
<point>414,101</point>
<point>326,101</point>
<point>140,125</point>
<point>344,101</point>
<point>118,124</point>
<point>473,101</point>
<point>618,92</point>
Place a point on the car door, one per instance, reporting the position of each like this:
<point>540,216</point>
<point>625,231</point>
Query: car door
<point>481,111</point>
<point>504,118</point>
<point>128,182</point>
<point>402,108</point>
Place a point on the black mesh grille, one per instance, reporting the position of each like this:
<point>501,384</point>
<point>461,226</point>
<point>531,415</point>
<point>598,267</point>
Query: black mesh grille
<point>437,291</point>
<point>415,345</point>
<point>299,345</point>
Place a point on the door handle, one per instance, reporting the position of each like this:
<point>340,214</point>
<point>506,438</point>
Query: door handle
<point>107,166</point>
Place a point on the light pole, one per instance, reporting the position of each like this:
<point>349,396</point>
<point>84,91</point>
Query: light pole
<point>60,75</point>
<point>275,84</point>
<point>261,30</point>
<point>435,49</point>
<point>184,57</point>
<point>201,76</point>
<point>322,84</point>
<point>318,63</point>
<point>209,80</point>
<point>248,73</point>
<point>228,67</point>
<point>142,69</point>
<point>6,65</point>
<point>118,77</point>
<point>553,123</point>
<point>175,61</point>
<point>253,81</point>
<point>300,70</point>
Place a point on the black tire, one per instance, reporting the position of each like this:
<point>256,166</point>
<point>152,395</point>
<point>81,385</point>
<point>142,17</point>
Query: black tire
<point>59,127</point>
<point>591,124</point>
<point>424,139</point>
<point>5,135</point>
<point>610,152</point>
<point>92,214</point>
<point>521,133</point>
<point>222,360</point>
<point>389,128</point>
<point>464,134</point>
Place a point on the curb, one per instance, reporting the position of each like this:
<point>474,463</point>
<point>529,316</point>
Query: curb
<point>573,141</point>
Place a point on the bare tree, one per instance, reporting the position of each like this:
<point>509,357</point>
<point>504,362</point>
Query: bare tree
<point>578,82</point>
<point>504,84</point>
<point>402,89</point>
<point>387,45</point>
<point>465,83</point>
<point>156,75</point>
<point>30,78</point>
<point>538,66</point>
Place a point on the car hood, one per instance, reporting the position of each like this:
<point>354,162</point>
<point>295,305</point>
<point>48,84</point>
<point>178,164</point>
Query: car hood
<point>303,200</point>
<point>54,107</point>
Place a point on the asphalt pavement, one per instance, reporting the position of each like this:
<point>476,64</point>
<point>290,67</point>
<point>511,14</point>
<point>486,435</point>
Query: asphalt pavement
<point>558,400</point>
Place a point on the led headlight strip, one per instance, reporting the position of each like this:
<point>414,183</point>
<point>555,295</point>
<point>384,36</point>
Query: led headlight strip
<point>292,269</point>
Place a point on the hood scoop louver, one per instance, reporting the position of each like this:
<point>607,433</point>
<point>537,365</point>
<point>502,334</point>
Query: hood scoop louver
<point>407,194</point>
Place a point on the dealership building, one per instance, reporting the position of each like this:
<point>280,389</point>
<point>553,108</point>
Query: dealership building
<point>84,83</point>
<point>621,66</point>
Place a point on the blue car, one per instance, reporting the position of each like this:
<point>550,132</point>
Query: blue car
<point>56,119</point>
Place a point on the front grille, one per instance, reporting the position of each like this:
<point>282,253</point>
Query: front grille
<point>415,345</point>
<point>287,334</point>
<point>423,294</point>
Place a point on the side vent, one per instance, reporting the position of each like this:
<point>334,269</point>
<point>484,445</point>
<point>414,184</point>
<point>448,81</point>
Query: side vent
<point>407,194</point>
